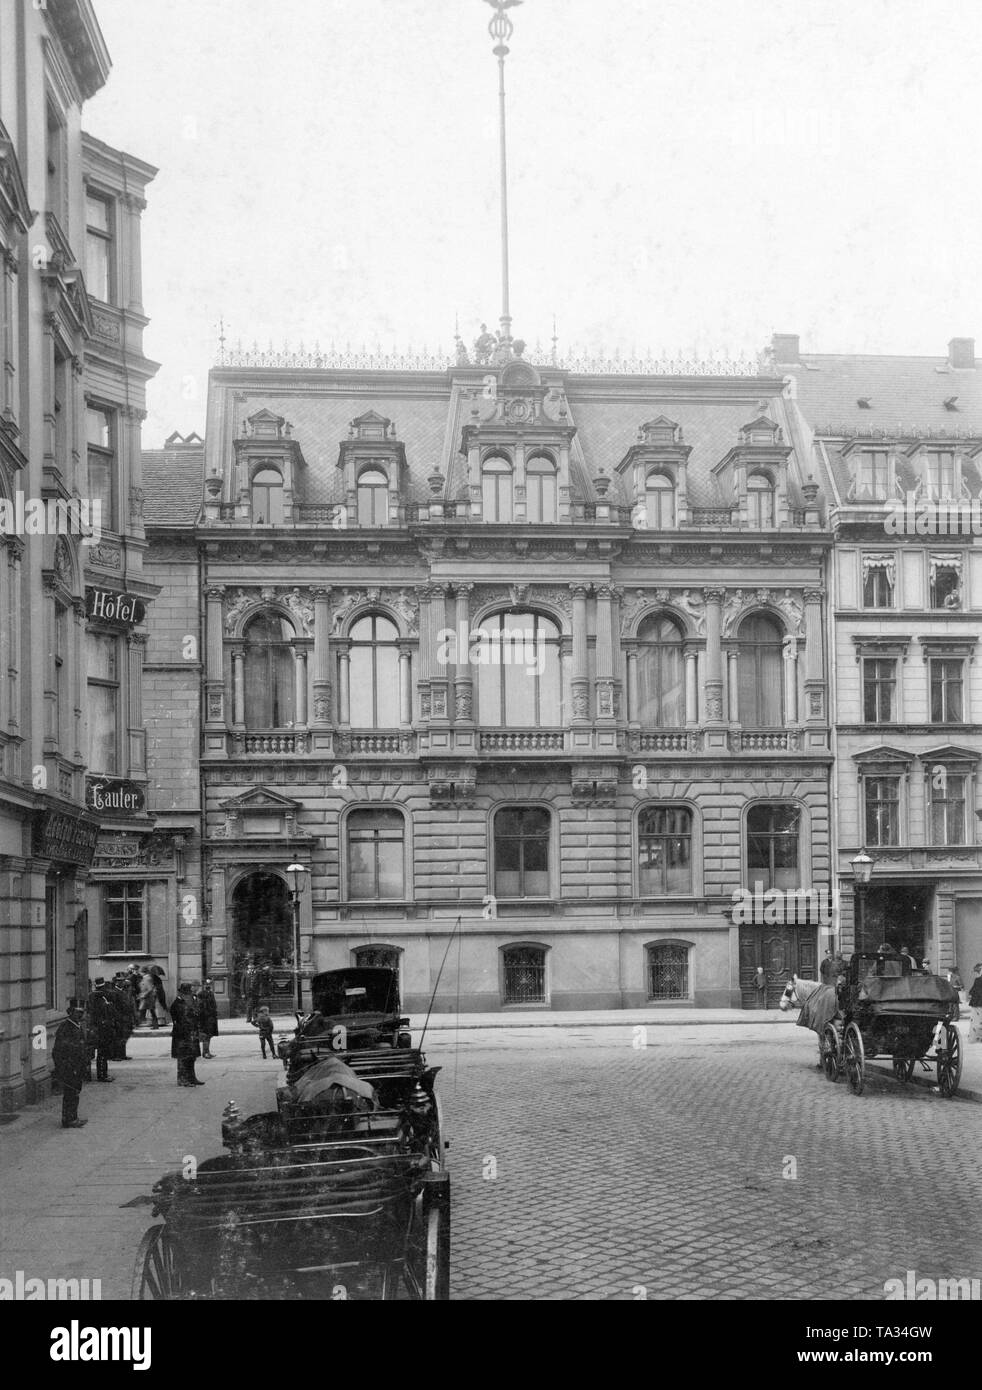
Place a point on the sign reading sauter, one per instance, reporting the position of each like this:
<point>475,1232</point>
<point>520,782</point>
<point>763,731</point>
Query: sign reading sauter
<point>111,606</point>
<point>114,796</point>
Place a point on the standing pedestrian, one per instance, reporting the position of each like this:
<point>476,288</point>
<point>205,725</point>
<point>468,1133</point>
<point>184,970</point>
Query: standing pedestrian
<point>975,1004</point>
<point>157,971</point>
<point>264,1022</point>
<point>207,1017</point>
<point>184,1036</point>
<point>251,986</point>
<point>102,1027</point>
<point>760,985</point>
<point>148,1000</point>
<point>825,969</point>
<point>70,1059</point>
<point>121,996</point>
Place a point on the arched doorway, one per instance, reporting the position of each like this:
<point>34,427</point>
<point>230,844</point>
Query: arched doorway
<point>262,927</point>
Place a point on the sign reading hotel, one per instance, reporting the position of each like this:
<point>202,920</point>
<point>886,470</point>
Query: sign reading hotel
<point>111,606</point>
<point>114,797</point>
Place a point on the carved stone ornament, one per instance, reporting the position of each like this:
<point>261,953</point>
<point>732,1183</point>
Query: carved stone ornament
<point>238,601</point>
<point>463,703</point>
<point>351,600</point>
<point>302,609</point>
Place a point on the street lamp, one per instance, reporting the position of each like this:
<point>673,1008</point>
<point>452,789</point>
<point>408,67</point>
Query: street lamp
<point>298,874</point>
<point>862,869</point>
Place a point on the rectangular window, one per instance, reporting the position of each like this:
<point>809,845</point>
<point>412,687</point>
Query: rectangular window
<point>51,946</point>
<point>665,851</point>
<point>103,702</point>
<point>877,586</point>
<point>376,859</point>
<point>947,808</point>
<point>882,797</point>
<point>99,247</point>
<point>946,579</point>
<point>772,847</point>
<point>879,691</point>
<point>101,439</point>
<point>521,854</point>
<point>124,918</point>
<point>57,164</point>
<point>947,693</point>
<point>872,476</point>
<point>941,475</point>
<point>59,714</point>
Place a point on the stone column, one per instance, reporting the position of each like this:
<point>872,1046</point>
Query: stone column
<point>463,676</point>
<point>136,757</point>
<point>632,686</point>
<point>300,658</point>
<point>439,674</point>
<point>425,652</point>
<point>405,685</point>
<point>605,656</point>
<point>322,659</point>
<point>344,698</point>
<point>716,736</point>
<point>815,686</point>
<point>133,290</point>
<point>214,659</point>
<point>238,687</point>
<point>789,651</point>
<point>581,680</point>
<point>691,687</point>
<point>78,680</point>
<point>733,685</point>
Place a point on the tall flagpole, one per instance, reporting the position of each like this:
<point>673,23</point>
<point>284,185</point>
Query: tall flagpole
<point>501,30</point>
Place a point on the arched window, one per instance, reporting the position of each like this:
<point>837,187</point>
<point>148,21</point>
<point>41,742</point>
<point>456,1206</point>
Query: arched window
<point>376,858</point>
<point>772,847</point>
<point>524,974</point>
<point>267,497</point>
<point>760,502</point>
<point>664,851</point>
<point>496,478</point>
<point>540,479</point>
<point>660,502</point>
<point>668,971</point>
<point>519,682</point>
<point>761,685</point>
<point>270,673</point>
<point>374,673</point>
<point>521,852</point>
<point>373,498</point>
<point>661,675</point>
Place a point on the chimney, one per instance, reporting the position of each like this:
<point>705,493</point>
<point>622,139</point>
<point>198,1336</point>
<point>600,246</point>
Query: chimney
<point>785,347</point>
<point>961,352</point>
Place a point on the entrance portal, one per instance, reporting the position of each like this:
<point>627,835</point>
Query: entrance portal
<point>779,952</point>
<point>262,927</point>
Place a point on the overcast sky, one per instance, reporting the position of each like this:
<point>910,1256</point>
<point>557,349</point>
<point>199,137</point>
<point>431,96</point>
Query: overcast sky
<point>685,175</point>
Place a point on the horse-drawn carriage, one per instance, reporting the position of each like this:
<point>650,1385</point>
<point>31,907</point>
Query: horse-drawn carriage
<point>883,1008</point>
<point>340,1192</point>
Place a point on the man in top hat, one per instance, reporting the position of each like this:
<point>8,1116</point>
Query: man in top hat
<point>102,1027</point>
<point>70,1058</point>
<point>184,1045</point>
<point>121,996</point>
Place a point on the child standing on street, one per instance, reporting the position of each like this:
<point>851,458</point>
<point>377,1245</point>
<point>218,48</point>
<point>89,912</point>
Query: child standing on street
<point>264,1023</point>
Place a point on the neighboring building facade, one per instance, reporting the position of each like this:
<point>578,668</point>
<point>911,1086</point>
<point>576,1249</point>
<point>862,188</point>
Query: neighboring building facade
<point>67,350</point>
<point>585,797</point>
<point>898,442</point>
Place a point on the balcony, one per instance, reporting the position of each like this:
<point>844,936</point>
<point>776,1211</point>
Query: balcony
<point>523,741</point>
<point>766,741</point>
<point>666,743</point>
<point>272,745</point>
<point>375,744</point>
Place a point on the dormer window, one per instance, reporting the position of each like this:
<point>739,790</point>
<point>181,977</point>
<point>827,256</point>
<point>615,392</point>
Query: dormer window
<point>267,497</point>
<point>373,498</point>
<point>540,482</point>
<point>659,502</point>
<point>873,476</point>
<point>941,478</point>
<point>760,502</point>
<point>496,484</point>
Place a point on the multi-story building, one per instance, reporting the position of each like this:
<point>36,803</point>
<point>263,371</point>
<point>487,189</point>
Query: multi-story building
<point>533,649</point>
<point>71,393</point>
<point>898,444</point>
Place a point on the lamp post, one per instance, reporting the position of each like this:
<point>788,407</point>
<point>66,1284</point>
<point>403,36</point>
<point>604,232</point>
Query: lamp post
<point>862,869</point>
<point>298,873</point>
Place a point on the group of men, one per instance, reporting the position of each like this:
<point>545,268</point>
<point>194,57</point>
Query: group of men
<point>102,1025</point>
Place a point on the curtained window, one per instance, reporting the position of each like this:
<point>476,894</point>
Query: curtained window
<point>661,675</point>
<point>664,851</point>
<point>376,855</point>
<point>761,683</point>
<point>519,679</point>
<point>269,673</point>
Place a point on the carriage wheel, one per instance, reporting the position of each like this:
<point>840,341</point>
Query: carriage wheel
<point>949,1061</point>
<point>830,1053</point>
<point>436,1150</point>
<point>855,1055</point>
<point>903,1068</point>
<point>156,1274</point>
<point>427,1268</point>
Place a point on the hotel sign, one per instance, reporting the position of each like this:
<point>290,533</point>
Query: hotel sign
<point>111,606</point>
<point>112,797</point>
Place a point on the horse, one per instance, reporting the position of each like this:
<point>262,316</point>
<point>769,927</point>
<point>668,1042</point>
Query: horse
<point>797,993</point>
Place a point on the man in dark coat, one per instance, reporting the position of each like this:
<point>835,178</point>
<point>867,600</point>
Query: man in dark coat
<point>102,1027</point>
<point>251,988</point>
<point>207,1017</point>
<point>70,1059</point>
<point>122,999</point>
<point>184,1036</point>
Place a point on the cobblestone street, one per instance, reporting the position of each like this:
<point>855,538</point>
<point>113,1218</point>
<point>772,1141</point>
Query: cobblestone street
<point>582,1167</point>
